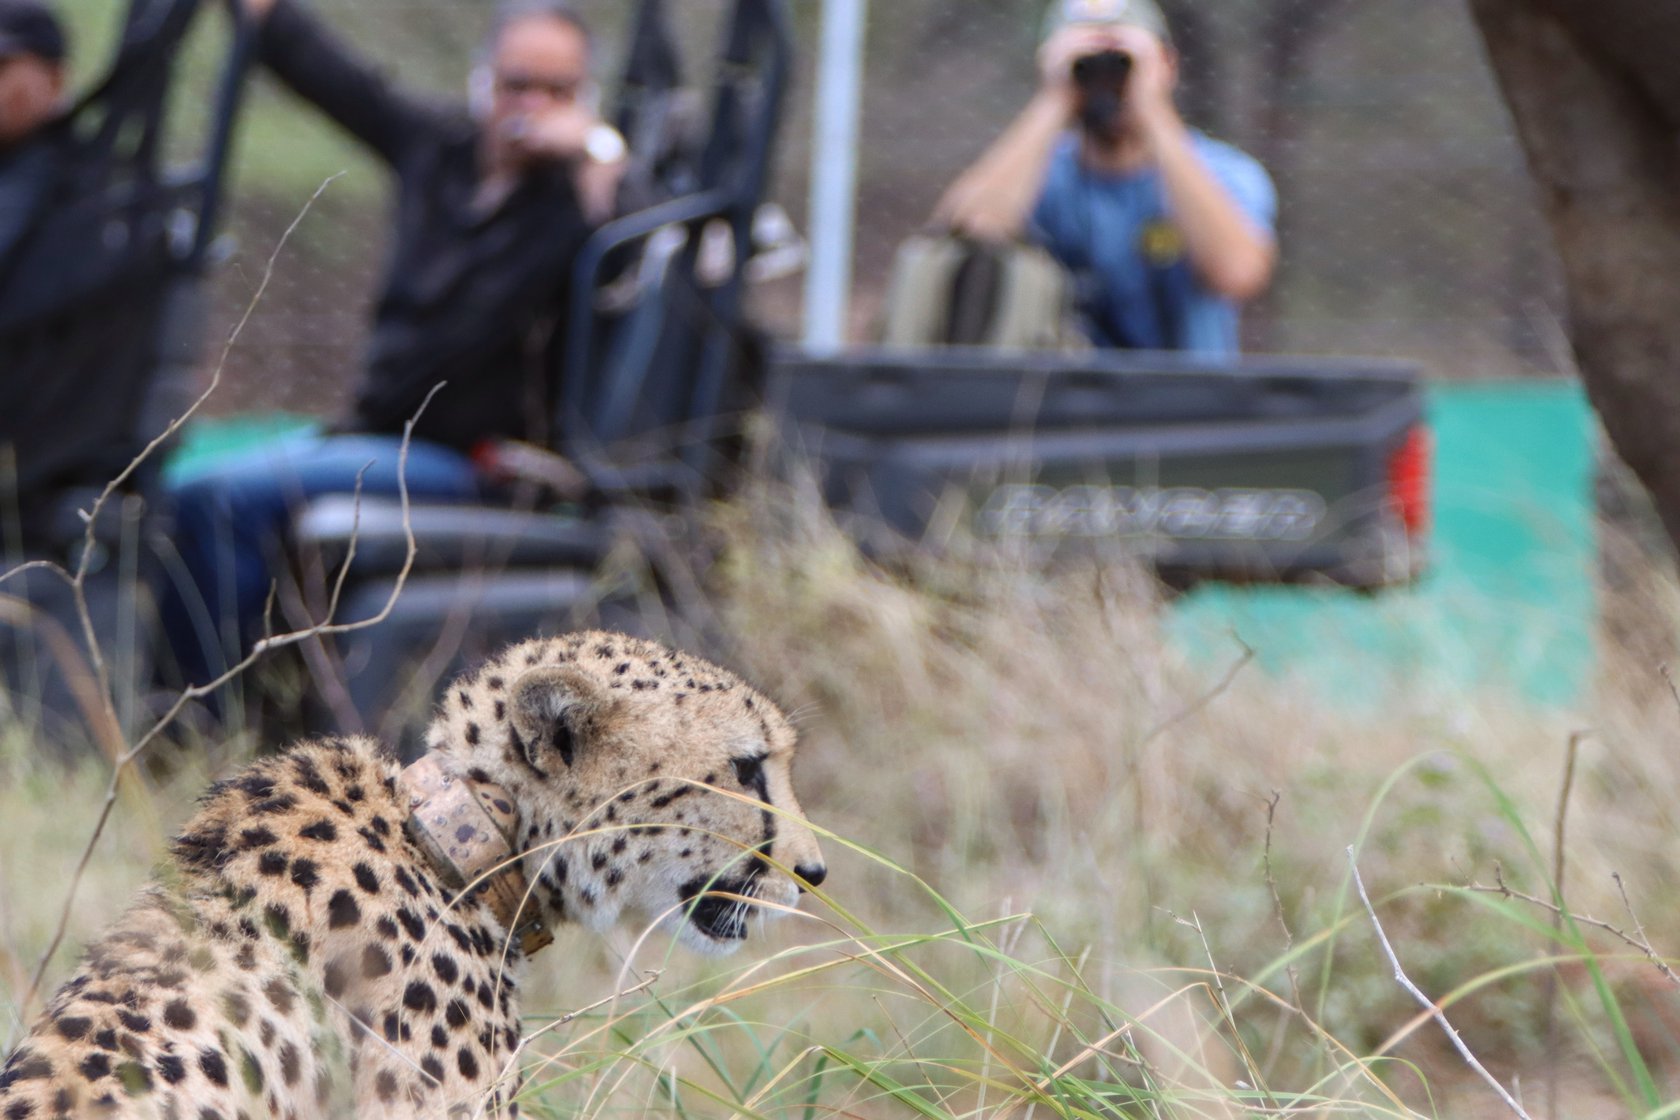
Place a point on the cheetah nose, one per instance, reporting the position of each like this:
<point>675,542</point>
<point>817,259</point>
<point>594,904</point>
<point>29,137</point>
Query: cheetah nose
<point>812,874</point>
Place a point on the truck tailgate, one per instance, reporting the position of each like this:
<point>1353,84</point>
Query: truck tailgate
<point>1263,469</point>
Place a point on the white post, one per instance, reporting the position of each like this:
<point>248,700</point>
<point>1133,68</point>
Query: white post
<point>834,152</point>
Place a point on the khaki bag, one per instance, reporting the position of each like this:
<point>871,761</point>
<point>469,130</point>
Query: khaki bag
<point>953,291</point>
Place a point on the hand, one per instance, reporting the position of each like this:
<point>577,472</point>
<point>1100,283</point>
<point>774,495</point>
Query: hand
<point>1150,84</point>
<point>255,10</point>
<point>597,188</point>
<point>559,133</point>
<point>1154,72</point>
<point>973,210</point>
<point>1059,52</point>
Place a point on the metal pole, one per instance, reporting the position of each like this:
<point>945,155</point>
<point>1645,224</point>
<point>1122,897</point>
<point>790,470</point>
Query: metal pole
<point>834,152</point>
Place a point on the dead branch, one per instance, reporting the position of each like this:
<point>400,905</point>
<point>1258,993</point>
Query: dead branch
<point>649,978</point>
<point>1668,675</point>
<point>197,692</point>
<point>1291,971</point>
<point>1636,941</point>
<point>1549,998</point>
<point>1639,927</point>
<point>91,516</point>
<point>125,760</point>
<point>1424,1001</point>
<point>1204,700</point>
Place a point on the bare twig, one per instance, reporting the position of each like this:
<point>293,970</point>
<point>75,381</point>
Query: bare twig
<point>1558,820</point>
<point>649,978</point>
<point>1271,880</point>
<point>355,536</point>
<point>1636,941</point>
<point>1138,763</point>
<point>35,566</point>
<point>1668,676</point>
<point>197,692</point>
<point>1424,1001</point>
<point>1290,971</point>
<point>1223,1002</point>
<point>91,516</point>
<point>1549,989</point>
<point>78,581</point>
<point>1205,699</point>
<point>1639,929</point>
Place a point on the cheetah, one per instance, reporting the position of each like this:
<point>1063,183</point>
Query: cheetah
<point>336,935</point>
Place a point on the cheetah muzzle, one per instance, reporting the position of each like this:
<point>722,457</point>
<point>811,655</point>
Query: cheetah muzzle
<point>314,949</point>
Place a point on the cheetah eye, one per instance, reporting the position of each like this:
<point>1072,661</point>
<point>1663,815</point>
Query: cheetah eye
<point>749,771</point>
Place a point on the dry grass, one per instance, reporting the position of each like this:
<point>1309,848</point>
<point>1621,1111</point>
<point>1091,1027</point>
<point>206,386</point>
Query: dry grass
<point>1073,874</point>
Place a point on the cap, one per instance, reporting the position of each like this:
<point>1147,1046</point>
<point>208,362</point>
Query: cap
<point>1137,13</point>
<point>29,27</point>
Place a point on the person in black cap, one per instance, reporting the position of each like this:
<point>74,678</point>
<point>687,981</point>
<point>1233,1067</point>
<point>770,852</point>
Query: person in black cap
<point>32,51</point>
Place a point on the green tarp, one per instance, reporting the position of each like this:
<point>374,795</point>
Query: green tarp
<point>1508,603</point>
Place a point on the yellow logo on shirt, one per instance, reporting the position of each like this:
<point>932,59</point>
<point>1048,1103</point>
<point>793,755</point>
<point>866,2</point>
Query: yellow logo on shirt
<point>1161,243</point>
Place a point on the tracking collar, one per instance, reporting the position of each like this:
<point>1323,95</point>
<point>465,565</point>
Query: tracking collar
<point>467,830</point>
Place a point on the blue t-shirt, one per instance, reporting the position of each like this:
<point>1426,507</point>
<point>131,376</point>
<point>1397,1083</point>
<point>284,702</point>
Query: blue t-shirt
<point>1137,289</point>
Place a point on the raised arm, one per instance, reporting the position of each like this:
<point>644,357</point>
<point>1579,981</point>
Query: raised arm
<point>305,55</point>
<point>1231,255</point>
<point>993,198</point>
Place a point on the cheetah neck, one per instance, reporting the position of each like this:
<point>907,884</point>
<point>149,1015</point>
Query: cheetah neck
<point>466,829</point>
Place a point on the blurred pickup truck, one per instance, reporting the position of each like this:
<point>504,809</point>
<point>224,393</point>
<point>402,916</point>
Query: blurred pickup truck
<point>1262,469</point>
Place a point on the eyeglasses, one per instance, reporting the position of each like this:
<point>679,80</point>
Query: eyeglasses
<point>511,83</point>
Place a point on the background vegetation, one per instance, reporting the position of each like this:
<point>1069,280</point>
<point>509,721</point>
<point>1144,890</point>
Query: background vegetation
<point>1071,872</point>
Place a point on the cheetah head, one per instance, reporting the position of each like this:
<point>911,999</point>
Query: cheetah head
<point>647,782</point>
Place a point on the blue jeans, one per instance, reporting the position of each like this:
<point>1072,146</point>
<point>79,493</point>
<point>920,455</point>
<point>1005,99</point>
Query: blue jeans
<point>230,520</point>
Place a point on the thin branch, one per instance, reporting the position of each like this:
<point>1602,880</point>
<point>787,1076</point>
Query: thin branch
<point>1668,676</point>
<point>1271,880</point>
<point>1637,942</point>
<point>38,566</point>
<point>1223,1002</point>
<point>125,760</point>
<point>1277,902</point>
<point>1639,928</point>
<point>649,979</point>
<point>1558,820</point>
<point>1549,994</point>
<point>90,517</point>
<point>1205,699</point>
<point>350,549</point>
<point>1424,1001</point>
<point>331,628</point>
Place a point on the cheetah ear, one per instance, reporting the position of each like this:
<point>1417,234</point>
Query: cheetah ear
<point>554,710</point>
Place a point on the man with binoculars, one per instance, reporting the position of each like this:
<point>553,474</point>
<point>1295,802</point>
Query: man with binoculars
<point>1165,230</point>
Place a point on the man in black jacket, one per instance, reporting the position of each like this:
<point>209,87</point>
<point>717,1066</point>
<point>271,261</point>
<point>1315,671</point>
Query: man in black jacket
<point>491,206</point>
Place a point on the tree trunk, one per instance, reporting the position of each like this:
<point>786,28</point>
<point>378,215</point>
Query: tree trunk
<point>1596,100</point>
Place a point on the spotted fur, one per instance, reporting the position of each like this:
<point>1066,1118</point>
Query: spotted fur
<point>300,958</point>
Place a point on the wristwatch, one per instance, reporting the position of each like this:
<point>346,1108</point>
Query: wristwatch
<point>603,144</point>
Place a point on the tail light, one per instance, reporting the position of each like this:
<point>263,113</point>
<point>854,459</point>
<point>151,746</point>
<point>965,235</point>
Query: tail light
<point>1409,469</point>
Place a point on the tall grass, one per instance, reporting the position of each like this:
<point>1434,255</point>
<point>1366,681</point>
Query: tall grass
<point>1074,874</point>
